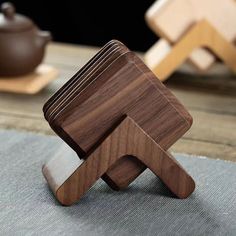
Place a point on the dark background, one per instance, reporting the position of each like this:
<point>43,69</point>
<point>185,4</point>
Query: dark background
<point>92,22</point>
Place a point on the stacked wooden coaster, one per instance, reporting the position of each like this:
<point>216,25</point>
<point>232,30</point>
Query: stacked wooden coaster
<point>119,118</point>
<point>188,30</point>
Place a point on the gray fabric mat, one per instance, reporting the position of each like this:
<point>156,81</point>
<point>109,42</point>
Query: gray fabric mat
<point>27,207</point>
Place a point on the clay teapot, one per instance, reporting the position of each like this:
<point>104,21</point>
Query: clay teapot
<point>22,44</point>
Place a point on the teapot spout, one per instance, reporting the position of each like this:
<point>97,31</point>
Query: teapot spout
<point>44,37</point>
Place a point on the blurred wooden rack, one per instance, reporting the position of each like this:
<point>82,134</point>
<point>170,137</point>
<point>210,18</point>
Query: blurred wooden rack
<point>202,34</point>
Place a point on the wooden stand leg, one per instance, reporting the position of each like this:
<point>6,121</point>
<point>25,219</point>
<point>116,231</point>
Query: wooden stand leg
<point>75,177</point>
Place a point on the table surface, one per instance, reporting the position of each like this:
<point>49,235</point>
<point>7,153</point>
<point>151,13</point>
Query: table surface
<point>210,100</point>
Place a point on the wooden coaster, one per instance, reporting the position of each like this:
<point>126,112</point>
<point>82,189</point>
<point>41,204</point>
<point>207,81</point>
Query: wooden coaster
<point>96,99</point>
<point>31,83</point>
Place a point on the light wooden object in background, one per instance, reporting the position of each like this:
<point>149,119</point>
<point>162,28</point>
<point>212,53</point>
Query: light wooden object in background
<point>31,83</point>
<point>202,34</point>
<point>171,19</point>
<point>71,179</point>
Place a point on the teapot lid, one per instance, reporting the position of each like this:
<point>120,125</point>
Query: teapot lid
<point>11,22</point>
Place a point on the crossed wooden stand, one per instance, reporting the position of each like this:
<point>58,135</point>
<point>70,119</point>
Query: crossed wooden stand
<point>70,178</point>
<point>201,34</point>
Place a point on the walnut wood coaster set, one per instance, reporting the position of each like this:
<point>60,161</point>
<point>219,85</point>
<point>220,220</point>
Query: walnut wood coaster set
<point>201,31</point>
<point>119,119</point>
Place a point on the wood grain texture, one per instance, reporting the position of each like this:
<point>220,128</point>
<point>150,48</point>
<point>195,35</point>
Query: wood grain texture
<point>31,83</point>
<point>107,55</point>
<point>172,19</point>
<point>127,88</point>
<point>202,34</point>
<point>126,141</point>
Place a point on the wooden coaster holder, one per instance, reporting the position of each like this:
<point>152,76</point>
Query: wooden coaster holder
<point>201,34</point>
<point>70,178</point>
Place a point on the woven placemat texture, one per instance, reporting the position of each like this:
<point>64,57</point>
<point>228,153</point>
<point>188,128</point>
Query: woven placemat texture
<point>28,207</point>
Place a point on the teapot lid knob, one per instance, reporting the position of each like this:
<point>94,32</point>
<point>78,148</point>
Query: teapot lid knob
<point>8,10</point>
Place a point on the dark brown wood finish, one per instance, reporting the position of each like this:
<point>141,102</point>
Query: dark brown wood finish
<point>85,75</point>
<point>126,142</point>
<point>125,86</point>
